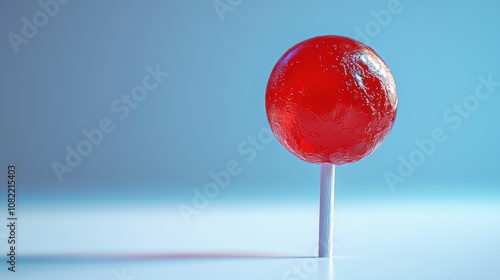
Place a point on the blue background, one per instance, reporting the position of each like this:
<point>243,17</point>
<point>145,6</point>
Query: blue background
<point>65,78</point>
<point>91,52</point>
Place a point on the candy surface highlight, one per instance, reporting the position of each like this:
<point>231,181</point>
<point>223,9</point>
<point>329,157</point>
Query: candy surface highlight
<point>331,99</point>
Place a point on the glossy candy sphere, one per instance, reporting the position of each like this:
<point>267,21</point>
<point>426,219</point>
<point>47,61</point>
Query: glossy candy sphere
<point>331,99</point>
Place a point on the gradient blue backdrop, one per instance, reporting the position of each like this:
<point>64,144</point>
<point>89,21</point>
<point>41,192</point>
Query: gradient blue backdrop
<point>438,222</point>
<point>65,78</point>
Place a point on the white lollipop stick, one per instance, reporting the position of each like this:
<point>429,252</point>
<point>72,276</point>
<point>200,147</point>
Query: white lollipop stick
<point>326,209</point>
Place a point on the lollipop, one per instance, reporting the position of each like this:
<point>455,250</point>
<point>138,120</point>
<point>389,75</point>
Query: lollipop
<point>330,100</point>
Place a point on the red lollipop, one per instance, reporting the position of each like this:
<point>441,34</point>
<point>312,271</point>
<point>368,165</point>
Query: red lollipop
<point>330,100</point>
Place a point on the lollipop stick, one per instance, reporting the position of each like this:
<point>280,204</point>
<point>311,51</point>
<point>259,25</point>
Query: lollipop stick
<point>327,185</point>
